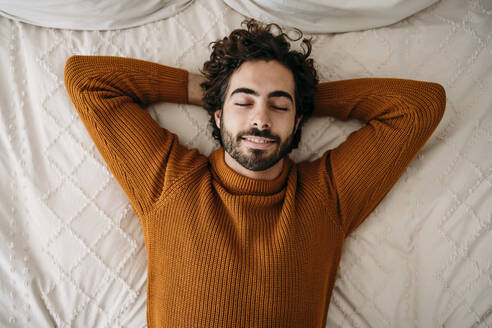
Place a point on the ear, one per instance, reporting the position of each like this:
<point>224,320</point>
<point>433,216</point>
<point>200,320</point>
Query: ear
<point>297,122</point>
<point>217,115</point>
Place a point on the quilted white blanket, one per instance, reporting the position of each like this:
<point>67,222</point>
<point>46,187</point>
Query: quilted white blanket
<point>72,248</point>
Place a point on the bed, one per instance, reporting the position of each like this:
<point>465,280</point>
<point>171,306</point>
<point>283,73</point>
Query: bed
<point>72,247</point>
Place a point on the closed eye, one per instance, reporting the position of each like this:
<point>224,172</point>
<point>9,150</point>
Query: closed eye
<point>279,108</point>
<point>247,104</point>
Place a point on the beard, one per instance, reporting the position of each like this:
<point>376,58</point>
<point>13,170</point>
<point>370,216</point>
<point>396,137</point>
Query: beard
<point>255,159</point>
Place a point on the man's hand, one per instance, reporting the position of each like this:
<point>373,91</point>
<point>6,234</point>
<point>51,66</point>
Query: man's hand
<point>195,92</point>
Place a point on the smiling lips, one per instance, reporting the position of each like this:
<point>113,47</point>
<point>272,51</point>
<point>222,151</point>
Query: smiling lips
<point>257,142</point>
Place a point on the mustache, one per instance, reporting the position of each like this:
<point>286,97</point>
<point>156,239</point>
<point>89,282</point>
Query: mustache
<point>259,133</point>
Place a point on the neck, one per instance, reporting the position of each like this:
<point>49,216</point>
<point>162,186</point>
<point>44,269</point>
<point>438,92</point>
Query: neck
<point>268,174</point>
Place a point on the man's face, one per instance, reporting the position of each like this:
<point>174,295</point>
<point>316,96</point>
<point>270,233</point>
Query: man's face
<point>257,122</point>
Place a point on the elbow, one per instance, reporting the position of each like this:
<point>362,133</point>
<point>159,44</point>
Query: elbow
<point>76,74</point>
<point>70,67</point>
<point>436,103</point>
<point>438,100</point>
<point>70,74</point>
<point>429,108</point>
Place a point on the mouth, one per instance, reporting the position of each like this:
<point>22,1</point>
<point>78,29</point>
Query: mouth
<point>258,142</point>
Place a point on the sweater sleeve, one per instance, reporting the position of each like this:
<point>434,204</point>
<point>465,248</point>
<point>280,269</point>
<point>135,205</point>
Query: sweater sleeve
<point>400,116</point>
<point>109,94</point>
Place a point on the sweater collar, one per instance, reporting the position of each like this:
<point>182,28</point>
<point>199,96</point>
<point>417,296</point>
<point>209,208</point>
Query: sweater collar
<point>240,184</point>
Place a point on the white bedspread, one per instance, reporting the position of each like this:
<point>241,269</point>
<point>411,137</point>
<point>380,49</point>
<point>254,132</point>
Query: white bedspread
<point>328,16</point>
<point>90,14</point>
<point>72,248</point>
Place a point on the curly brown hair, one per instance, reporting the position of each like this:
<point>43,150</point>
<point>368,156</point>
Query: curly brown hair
<point>257,42</point>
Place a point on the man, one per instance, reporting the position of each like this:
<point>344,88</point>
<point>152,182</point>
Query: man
<point>245,237</point>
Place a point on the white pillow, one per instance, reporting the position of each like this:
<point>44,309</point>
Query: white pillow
<point>90,14</point>
<point>328,16</point>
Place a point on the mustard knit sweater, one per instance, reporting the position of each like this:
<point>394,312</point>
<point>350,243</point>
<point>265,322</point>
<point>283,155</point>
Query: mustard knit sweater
<point>225,250</point>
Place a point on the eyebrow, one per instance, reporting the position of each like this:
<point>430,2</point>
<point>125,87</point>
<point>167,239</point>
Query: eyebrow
<point>277,93</point>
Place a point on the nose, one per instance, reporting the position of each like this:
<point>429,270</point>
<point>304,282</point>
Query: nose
<point>261,119</point>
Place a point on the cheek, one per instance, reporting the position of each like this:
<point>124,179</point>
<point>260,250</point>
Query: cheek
<point>232,123</point>
<point>288,126</point>
<point>236,118</point>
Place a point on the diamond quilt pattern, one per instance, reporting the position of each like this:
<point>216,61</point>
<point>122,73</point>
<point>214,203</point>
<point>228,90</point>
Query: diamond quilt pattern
<point>73,252</point>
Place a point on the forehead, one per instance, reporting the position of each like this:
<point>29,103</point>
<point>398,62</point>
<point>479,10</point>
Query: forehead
<point>263,77</point>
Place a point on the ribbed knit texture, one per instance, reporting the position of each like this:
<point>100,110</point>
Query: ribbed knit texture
<point>225,250</point>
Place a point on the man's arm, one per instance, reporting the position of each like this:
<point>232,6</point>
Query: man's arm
<point>195,91</point>
<point>400,114</point>
<point>108,94</point>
